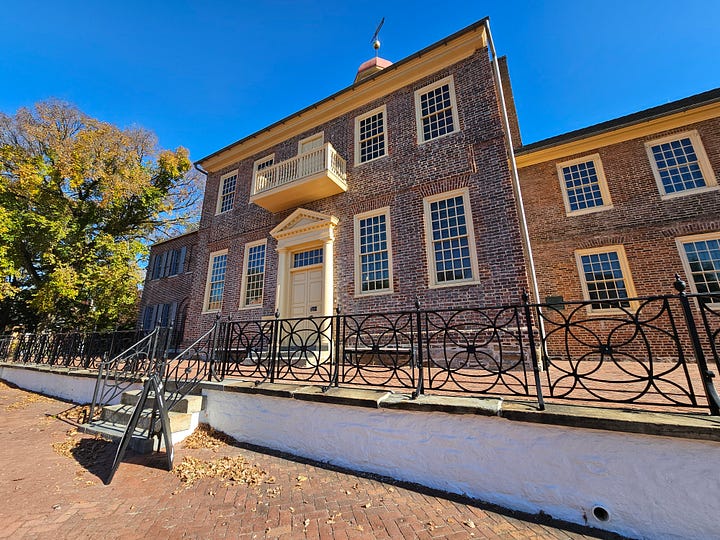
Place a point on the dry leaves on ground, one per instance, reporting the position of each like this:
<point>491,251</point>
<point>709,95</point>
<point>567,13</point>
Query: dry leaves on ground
<point>79,414</point>
<point>84,450</point>
<point>207,437</point>
<point>27,399</point>
<point>233,470</point>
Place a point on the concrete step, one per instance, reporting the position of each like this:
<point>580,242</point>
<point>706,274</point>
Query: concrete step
<point>121,414</point>
<point>188,404</point>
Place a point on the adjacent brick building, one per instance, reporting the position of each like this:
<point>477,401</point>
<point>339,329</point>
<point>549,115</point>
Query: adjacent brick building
<point>168,282</point>
<point>615,209</point>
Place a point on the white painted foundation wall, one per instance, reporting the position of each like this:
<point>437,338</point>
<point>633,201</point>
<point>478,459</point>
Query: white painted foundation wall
<point>64,386</point>
<point>652,487</point>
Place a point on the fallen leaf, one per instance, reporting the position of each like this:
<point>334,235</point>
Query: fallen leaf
<point>469,523</point>
<point>367,505</point>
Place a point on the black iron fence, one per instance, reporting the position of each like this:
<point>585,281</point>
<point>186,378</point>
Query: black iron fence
<point>646,352</point>
<point>66,349</point>
<point>651,351</point>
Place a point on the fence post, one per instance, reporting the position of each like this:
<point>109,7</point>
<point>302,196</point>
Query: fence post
<point>705,373</point>
<point>334,378</point>
<point>275,345</point>
<point>420,388</point>
<point>533,351</point>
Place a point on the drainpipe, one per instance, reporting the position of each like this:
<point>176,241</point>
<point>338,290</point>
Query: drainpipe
<point>527,248</point>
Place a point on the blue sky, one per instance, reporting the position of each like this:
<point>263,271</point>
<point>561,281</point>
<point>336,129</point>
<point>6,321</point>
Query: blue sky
<point>205,74</point>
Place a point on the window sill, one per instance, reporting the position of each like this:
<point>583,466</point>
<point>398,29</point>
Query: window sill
<point>695,191</point>
<point>453,284</point>
<point>586,211</point>
<point>420,143</point>
<point>361,163</point>
<point>373,294</point>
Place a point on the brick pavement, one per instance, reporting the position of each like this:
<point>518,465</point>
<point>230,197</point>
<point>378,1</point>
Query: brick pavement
<point>48,495</point>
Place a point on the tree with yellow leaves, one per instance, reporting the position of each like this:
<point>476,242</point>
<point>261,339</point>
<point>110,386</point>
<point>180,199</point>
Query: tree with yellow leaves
<point>79,198</point>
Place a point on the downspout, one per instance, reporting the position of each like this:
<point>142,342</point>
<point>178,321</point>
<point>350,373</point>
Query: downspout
<point>527,248</point>
<point>199,169</point>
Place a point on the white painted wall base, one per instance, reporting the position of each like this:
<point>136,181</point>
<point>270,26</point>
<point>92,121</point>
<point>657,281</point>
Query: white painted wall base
<point>64,386</point>
<point>652,487</point>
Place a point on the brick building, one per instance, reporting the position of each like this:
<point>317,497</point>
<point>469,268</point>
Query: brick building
<point>394,188</point>
<point>168,282</point>
<point>615,209</point>
<point>399,186</point>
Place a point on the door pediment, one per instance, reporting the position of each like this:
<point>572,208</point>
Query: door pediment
<point>303,226</point>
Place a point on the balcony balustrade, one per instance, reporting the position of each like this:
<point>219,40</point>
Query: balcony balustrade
<point>310,176</point>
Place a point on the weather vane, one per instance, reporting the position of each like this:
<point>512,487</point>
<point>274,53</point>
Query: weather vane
<point>375,41</point>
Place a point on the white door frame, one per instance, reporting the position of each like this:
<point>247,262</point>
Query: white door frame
<point>300,231</point>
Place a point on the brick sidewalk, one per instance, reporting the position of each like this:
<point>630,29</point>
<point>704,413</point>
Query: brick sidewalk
<point>48,495</point>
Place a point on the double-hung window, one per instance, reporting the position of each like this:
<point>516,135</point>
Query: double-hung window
<point>450,239</point>
<point>583,185</point>
<point>226,195</point>
<point>215,281</point>
<point>373,257</point>
<point>436,110</point>
<point>254,274</point>
<point>605,278</point>
<point>701,259</point>
<point>370,135</point>
<point>679,164</point>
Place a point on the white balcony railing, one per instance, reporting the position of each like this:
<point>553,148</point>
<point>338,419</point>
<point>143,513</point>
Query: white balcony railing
<point>321,160</point>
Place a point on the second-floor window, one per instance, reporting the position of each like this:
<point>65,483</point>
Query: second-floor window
<point>370,136</point>
<point>583,185</point>
<point>436,110</point>
<point>680,164</point>
<point>226,196</point>
<point>168,263</point>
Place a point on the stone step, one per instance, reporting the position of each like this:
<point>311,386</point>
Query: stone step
<point>138,443</point>
<point>188,404</point>
<point>121,414</point>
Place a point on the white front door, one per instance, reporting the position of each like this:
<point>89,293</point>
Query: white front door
<point>306,298</point>
<point>307,284</point>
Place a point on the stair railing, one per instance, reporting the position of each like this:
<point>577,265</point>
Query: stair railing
<point>120,373</point>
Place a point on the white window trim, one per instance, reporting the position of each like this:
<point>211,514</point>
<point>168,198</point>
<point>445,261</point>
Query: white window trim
<point>358,266</point>
<point>243,288</point>
<point>418,115</point>
<point>320,135</point>
<point>686,264</point>
<point>624,267</point>
<point>206,300</point>
<point>382,109</point>
<point>263,160</point>
<point>429,247</point>
<point>602,183</point>
<point>703,162</point>
<point>218,204</point>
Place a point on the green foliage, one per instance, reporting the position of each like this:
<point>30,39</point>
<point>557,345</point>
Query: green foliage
<point>78,200</point>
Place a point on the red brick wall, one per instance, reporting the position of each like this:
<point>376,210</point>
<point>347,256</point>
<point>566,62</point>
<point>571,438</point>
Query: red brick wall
<point>474,157</point>
<point>639,220</point>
